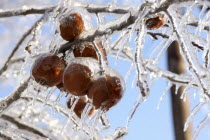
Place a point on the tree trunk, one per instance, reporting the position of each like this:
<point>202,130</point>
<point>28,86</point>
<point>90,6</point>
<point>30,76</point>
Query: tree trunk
<point>180,108</point>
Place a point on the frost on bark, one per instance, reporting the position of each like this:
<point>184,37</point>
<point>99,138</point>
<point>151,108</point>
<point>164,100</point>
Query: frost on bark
<point>26,112</point>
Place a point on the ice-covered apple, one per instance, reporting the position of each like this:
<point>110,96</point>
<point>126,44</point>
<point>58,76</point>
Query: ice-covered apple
<point>48,69</point>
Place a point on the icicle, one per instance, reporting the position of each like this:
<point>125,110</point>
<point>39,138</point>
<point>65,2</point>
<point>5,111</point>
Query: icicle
<point>85,112</point>
<point>187,14</point>
<point>98,19</point>
<point>163,95</point>
<point>47,98</point>
<point>200,26</point>
<point>139,100</point>
<point>138,22</point>
<point>184,93</point>
<point>121,43</point>
<point>70,114</point>
<point>119,133</point>
<point>105,121</point>
<point>99,113</point>
<point>176,89</point>
<point>100,58</point>
<point>192,114</point>
<point>133,84</point>
<point>201,126</point>
<point>129,72</point>
<point>164,48</point>
<point>60,95</point>
<point>122,36</point>
<point>163,41</point>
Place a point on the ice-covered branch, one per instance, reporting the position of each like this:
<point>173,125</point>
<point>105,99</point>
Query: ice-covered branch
<point>16,60</point>
<point>8,61</point>
<point>5,137</point>
<point>60,109</point>
<point>194,66</point>
<point>105,29</point>
<point>170,76</point>
<point>22,126</point>
<point>5,103</point>
<point>43,9</point>
<point>25,11</point>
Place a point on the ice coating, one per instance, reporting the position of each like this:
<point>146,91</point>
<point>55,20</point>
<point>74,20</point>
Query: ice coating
<point>89,62</point>
<point>106,90</point>
<point>71,26</point>
<point>83,12</point>
<point>47,70</point>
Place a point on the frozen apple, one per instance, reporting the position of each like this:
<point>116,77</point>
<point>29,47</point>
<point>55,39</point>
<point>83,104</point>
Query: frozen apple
<point>80,105</point>
<point>88,50</point>
<point>155,23</point>
<point>106,92</point>
<point>47,70</point>
<point>76,79</point>
<point>71,26</point>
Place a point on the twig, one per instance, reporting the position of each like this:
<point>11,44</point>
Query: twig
<point>25,11</point>
<point>154,35</point>
<point>41,10</point>
<point>14,96</point>
<point>170,76</point>
<point>187,56</point>
<point>22,126</point>
<point>105,29</point>
<point>60,109</point>
<point>5,137</point>
<point>6,64</point>
<point>18,59</point>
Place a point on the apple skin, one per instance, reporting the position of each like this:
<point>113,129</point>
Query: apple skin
<point>47,70</point>
<point>77,79</point>
<point>88,50</point>
<point>155,23</point>
<point>71,26</point>
<point>105,92</point>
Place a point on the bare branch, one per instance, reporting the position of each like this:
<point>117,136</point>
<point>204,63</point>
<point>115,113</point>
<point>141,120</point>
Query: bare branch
<point>60,109</point>
<point>6,64</point>
<point>188,58</point>
<point>91,8</point>
<point>170,76</point>
<point>21,125</point>
<point>16,60</point>
<point>5,137</point>
<point>5,103</point>
<point>25,11</point>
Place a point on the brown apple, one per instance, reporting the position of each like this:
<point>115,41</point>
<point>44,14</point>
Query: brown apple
<point>105,92</point>
<point>77,78</point>
<point>155,23</point>
<point>71,26</point>
<point>88,50</point>
<point>47,70</point>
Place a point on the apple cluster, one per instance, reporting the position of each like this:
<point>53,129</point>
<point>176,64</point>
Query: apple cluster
<point>80,76</point>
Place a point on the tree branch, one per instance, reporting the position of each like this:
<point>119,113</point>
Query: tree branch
<point>5,103</point>
<point>196,68</point>
<point>22,126</point>
<point>25,11</point>
<point>6,64</point>
<point>91,8</point>
<point>4,136</point>
<point>60,109</point>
